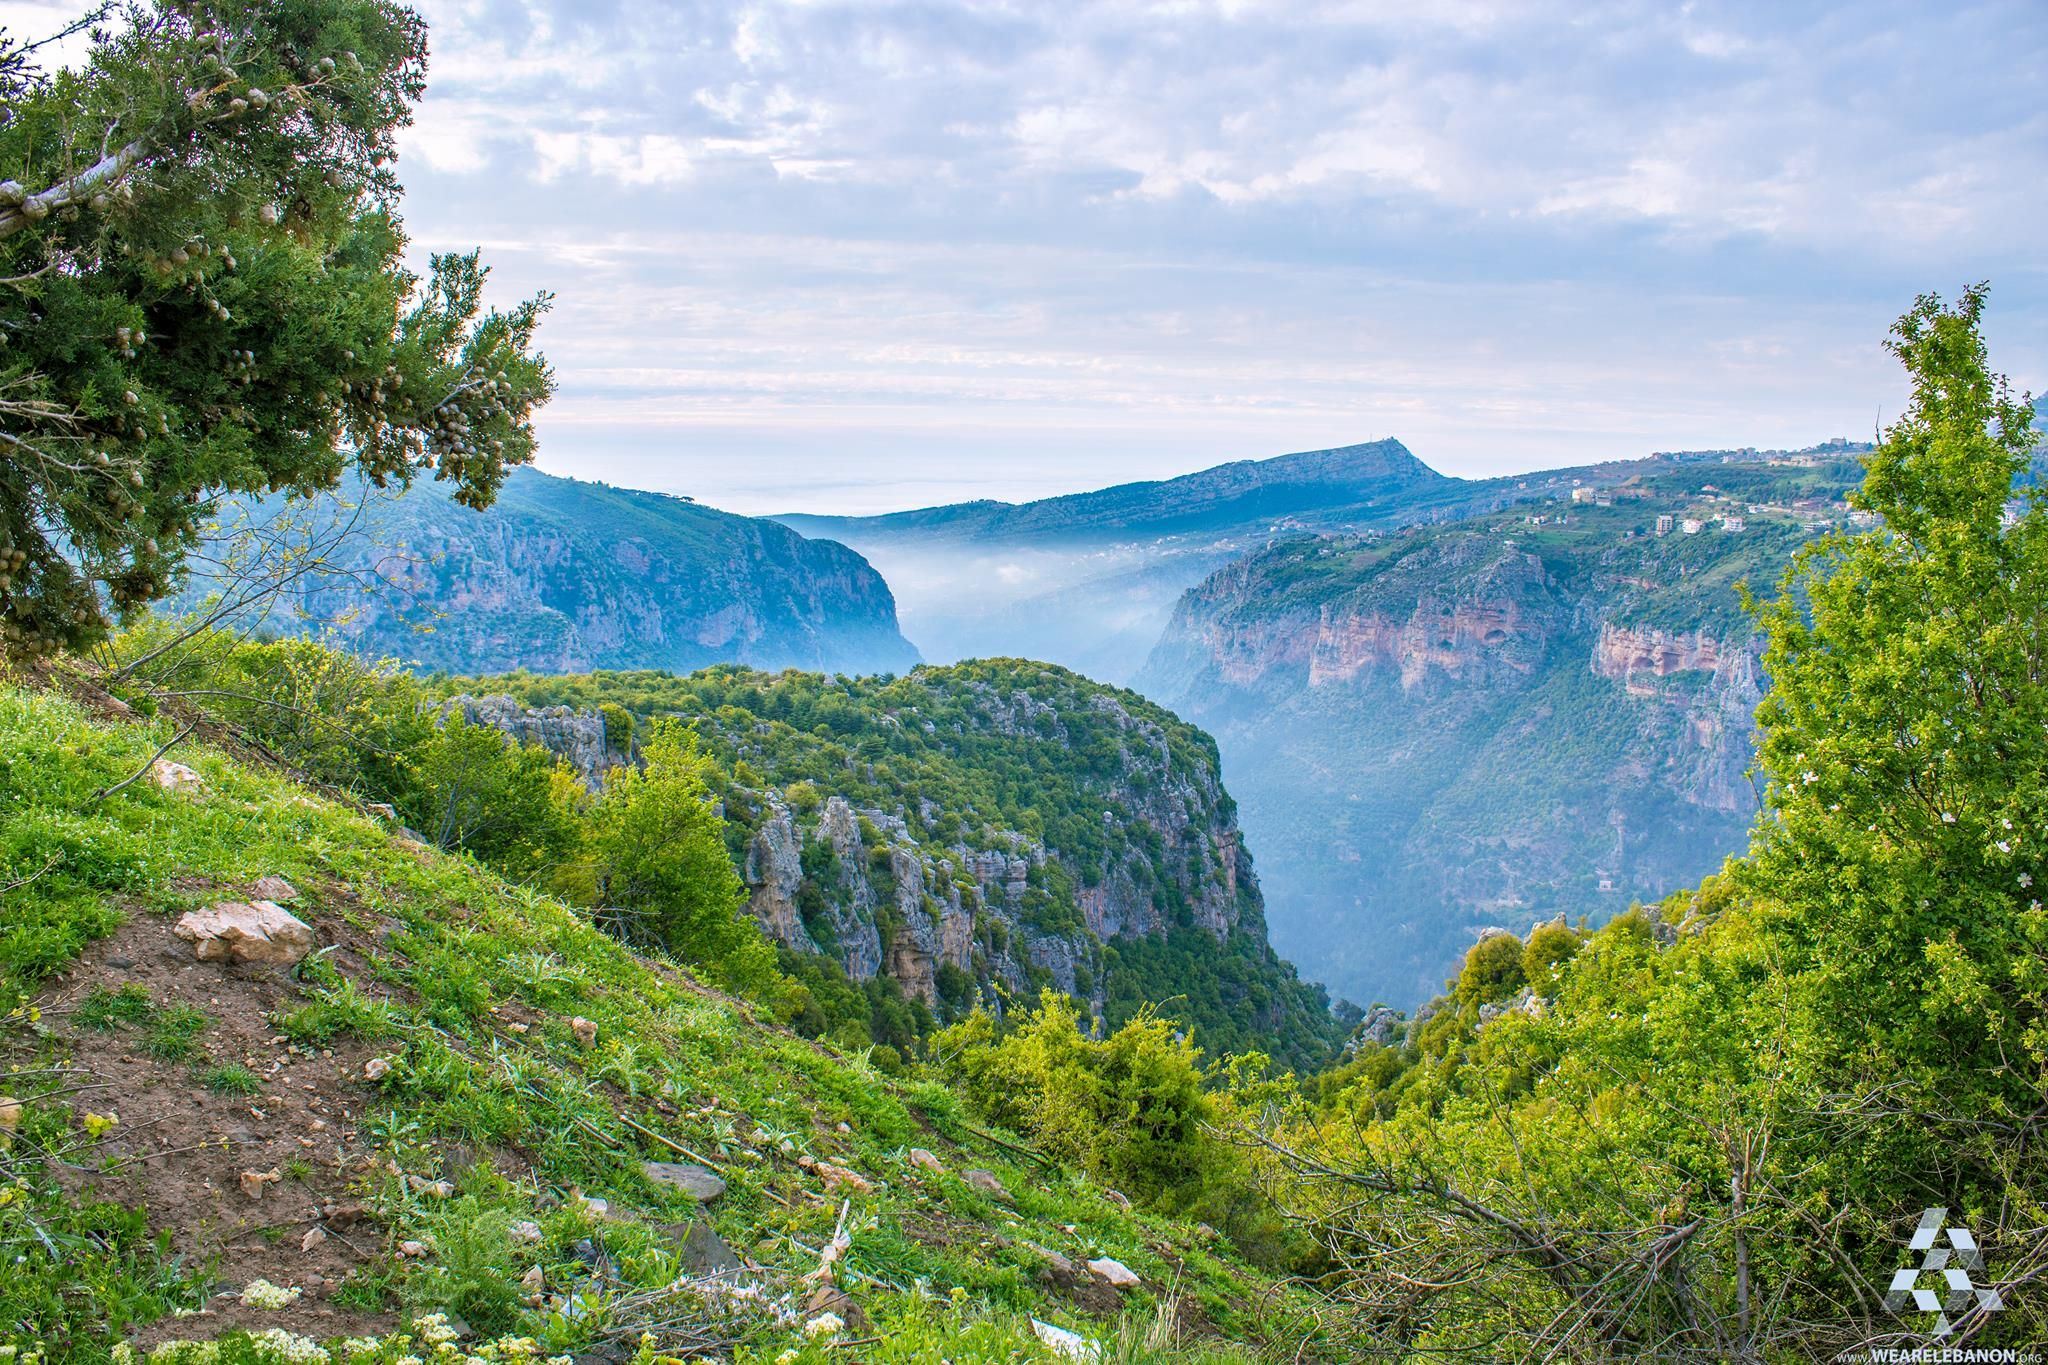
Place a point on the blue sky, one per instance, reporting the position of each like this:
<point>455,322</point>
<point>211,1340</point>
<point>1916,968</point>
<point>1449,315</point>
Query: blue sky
<point>831,256</point>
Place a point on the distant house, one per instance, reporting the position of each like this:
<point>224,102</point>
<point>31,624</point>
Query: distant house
<point>1665,521</point>
<point>1692,526</point>
<point>1582,495</point>
<point>1733,524</point>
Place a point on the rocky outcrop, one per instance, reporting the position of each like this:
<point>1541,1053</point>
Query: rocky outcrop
<point>1454,638</point>
<point>1637,656</point>
<point>883,898</point>
<point>578,738</point>
<point>774,873</point>
<point>260,933</point>
<point>1460,612</point>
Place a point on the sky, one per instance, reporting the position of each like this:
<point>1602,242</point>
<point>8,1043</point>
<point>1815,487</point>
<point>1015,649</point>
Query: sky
<point>855,257</point>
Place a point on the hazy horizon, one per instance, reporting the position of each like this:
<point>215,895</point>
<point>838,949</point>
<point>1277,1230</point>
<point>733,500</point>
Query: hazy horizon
<point>1172,473</point>
<point>857,258</point>
<point>854,258</point>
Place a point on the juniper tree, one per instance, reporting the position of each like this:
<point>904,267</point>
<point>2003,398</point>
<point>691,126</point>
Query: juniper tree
<point>201,293</point>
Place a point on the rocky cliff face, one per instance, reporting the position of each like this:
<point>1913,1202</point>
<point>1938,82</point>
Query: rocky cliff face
<point>1708,689</point>
<point>579,738</point>
<point>1453,727</point>
<point>892,901</point>
<point>964,836</point>
<point>561,576</point>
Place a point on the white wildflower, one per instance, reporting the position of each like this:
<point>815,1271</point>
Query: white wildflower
<point>825,1325</point>
<point>434,1329</point>
<point>265,1295</point>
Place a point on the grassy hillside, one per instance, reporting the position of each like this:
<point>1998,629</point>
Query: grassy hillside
<point>447,1108</point>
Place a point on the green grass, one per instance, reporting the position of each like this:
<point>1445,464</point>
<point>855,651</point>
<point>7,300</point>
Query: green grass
<point>104,1011</point>
<point>458,956</point>
<point>232,1078</point>
<point>173,1033</point>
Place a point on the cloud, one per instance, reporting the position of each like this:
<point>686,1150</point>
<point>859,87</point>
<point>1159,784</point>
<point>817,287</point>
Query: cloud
<point>945,233</point>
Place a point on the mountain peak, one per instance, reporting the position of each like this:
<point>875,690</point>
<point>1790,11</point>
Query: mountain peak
<point>1238,493</point>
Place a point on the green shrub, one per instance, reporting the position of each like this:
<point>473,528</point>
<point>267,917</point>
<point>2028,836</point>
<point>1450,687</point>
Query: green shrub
<point>1549,947</point>
<point>1492,970</point>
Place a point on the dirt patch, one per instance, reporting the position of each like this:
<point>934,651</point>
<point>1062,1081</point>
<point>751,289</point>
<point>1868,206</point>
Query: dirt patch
<point>181,1146</point>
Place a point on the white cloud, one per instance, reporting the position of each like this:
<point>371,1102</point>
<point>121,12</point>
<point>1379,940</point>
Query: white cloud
<point>1507,231</point>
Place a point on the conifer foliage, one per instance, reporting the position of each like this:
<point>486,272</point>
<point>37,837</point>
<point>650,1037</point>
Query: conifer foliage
<point>201,292</point>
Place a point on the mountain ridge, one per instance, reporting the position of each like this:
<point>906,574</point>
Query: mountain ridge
<point>1185,502</point>
<point>564,575</point>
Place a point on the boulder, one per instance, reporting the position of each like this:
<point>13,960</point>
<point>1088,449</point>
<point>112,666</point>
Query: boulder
<point>260,932</point>
<point>705,1254</point>
<point>924,1160</point>
<point>274,889</point>
<point>986,1182</point>
<point>1115,1272</point>
<point>699,1182</point>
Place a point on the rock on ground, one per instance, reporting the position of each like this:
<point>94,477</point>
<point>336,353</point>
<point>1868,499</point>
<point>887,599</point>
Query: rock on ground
<point>700,1183</point>
<point>261,932</point>
<point>1115,1271</point>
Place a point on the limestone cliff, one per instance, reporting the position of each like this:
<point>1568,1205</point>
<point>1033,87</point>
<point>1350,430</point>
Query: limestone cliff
<point>578,738</point>
<point>1438,729</point>
<point>563,576</point>
<point>962,837</point>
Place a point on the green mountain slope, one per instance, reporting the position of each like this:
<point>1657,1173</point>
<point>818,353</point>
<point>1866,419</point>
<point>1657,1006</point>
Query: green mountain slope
<point>1491,722</point>
<point>452,1105</point>
<point>970,834</point>
<point>562,575</point>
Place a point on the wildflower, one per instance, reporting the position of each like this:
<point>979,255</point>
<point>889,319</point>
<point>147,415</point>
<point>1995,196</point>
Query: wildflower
<point>288,1347</point>
<point>270,1297</point>
<point>824,1325</point>
<point>434,1329</point>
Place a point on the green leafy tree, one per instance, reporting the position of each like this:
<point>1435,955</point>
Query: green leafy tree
<point>1906,739</point>
<point>1492,970</point>
<point>201,293</point>
<point>654,863</point>
<point>475,791</point>
<point>1129,1108</point>
<point>1550,946</point>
